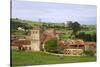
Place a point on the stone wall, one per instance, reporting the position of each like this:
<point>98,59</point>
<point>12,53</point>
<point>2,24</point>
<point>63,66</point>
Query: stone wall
<point>73,52</point>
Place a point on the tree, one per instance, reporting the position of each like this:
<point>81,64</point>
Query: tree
<point>16,23</point>
<point>26,26</point>
<point>51,45</point>
<point>81,35</point>
<point>75,27</point>
<point>94,37</point>
<point>87,37</point>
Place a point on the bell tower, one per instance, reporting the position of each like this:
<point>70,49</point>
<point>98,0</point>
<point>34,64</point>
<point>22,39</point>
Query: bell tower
<point>35,40</point>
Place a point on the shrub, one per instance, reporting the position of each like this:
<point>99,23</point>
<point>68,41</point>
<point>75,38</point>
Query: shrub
<point>87,37</point>
<point>89,53</point>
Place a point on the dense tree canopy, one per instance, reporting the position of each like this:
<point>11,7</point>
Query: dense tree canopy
<point>75,27</point>
<point>51,45</point>
<point>87,37</point>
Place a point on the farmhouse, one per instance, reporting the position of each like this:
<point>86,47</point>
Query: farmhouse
<point>77,46</point>
<point>73,47</point>
<point>22,44</point>
<point>20,28</point>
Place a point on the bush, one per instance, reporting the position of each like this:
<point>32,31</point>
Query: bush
<point>89,53</point>
<point>87,37</point>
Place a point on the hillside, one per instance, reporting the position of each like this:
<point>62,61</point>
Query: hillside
<point>63,30</point>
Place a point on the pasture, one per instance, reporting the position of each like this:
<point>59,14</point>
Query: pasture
<point>41,58</point>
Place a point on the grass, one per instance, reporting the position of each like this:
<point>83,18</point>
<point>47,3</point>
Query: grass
<point>40,58</point>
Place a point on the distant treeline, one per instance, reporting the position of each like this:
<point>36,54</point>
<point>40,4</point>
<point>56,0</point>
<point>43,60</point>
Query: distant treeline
<point>85,32</point>
<point>29,24</point>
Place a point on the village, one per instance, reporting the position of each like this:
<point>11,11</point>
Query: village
<point>37,38</point>
<point>52,33</point>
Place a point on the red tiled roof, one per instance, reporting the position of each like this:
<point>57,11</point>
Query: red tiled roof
<point>72,42</point>
<point>21,42</point>
<point>90,43</point>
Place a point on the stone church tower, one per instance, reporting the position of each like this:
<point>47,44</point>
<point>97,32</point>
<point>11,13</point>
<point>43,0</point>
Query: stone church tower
<point>35,40</point>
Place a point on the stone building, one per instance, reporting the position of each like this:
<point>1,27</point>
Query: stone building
<point>73,52</point>
<point>77,46</point>
<point>35,39</point>
<point>21,44</point>
<point>73,47</point>
<point>32,40</point>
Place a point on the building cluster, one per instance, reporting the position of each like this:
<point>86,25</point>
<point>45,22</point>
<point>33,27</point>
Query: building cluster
<point>77,46</point>
<point>37,39</point>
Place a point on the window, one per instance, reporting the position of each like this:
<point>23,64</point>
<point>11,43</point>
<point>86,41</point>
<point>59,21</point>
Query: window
<point>33,32</point>
<point>36,31</point>
<point>67,52</point>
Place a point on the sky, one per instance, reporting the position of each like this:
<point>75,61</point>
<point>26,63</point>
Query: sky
<point>53,12</point>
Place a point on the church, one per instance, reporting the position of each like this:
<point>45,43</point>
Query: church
<point>35,41</point>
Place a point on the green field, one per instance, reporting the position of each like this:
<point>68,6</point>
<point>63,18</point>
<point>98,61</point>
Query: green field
<point>40,58</point>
